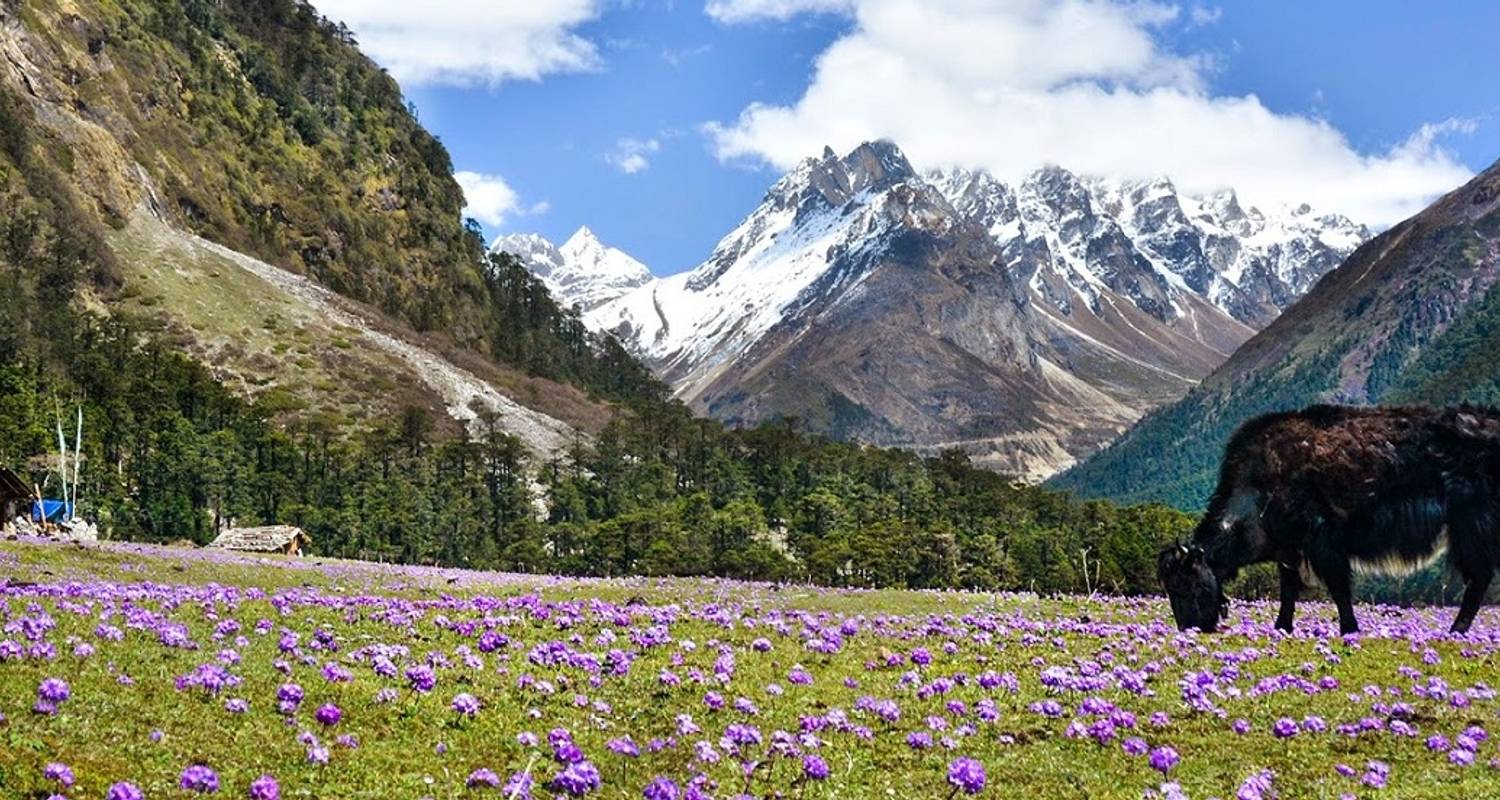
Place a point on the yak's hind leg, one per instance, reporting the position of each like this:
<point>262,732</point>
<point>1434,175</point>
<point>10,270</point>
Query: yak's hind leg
<point>1472,550</point>
<point>1474,594</point>
<point>1333,570</point>
<point>1291,587</point>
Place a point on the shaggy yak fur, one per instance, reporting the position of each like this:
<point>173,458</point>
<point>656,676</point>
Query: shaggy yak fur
<point>1329,489</point>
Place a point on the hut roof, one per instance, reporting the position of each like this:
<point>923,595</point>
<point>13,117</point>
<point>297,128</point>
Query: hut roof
<point>12,487</point>
<point>265,539</point>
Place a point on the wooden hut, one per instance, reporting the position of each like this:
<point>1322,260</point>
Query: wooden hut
<point>15,498</point>
<point>286,539</point>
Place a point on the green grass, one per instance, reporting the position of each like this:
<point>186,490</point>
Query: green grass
<point>104,731</point>
<point>243,326</point>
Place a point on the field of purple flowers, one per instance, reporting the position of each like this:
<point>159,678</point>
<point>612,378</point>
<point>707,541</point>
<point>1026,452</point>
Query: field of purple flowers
<point>131,671</point>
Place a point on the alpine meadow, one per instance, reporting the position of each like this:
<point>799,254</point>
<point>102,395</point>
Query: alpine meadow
<point>742,399</point>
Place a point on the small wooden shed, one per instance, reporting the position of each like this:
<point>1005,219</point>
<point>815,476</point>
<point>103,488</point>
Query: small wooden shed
<point>15,498</point>
<point>286,539</point>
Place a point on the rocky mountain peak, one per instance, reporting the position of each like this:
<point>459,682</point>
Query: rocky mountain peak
<point>582,239</point>
<point>830,181</point>
<point>533,250</point>
<point>584,272</point>
<point>874,165</point>
<point>857,285</point>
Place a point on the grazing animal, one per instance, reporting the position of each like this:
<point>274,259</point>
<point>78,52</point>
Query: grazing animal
<point>1331,489</point>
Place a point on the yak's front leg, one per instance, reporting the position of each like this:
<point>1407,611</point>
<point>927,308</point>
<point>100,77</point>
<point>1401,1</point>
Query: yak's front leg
<point>1473,598</point>
<point>1335,574</point>
<point>1291,588</point>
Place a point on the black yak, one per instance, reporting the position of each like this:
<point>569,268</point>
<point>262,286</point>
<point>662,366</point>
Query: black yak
<point>1330,489</point>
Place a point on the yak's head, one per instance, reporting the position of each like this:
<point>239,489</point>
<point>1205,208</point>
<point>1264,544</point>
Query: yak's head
<point>1197,596</point>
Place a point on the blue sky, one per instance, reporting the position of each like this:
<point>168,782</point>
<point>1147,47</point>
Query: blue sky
<point>605,116</point>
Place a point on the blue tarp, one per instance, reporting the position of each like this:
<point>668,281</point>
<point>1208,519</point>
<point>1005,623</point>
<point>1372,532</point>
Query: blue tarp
<point>51,511</point>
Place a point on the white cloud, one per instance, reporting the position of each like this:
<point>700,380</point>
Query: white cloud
<point>470,41</point>
<point>677,56</point>
<point>489,199</point>
<point>746,10</point>
<point>1011,85</point>
<point>630,155</point>
<point>1202,15</point>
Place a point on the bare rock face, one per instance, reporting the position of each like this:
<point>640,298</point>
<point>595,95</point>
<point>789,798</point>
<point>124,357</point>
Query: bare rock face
<point>1027,325</point>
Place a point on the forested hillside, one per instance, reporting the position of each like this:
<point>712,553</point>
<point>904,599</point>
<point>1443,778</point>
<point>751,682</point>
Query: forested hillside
<point>260,125</point>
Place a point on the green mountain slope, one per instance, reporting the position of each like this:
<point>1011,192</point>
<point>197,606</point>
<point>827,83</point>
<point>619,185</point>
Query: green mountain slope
<point>1412,316</point>
<point>261,127</point>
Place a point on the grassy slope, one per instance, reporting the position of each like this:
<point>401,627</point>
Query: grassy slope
<point>291,355</point>
<point>103,730</point>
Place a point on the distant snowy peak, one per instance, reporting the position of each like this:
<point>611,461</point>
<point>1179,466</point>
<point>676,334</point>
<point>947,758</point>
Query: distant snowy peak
<point>1091,230</point>
<point>584,272</point>
<point>533,250</point>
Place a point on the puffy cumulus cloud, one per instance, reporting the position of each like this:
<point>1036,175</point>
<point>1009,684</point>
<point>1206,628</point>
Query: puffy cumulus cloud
<point>470,41</point>
<point>1011,85</point>
<point>489,199</point>
<point>631,155</point>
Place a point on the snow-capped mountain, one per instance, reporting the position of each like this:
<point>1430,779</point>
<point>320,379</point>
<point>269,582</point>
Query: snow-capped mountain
<point>1027,324</point>
<point>583,272</point>
<point>1247,263</point>
<point>814,226</point>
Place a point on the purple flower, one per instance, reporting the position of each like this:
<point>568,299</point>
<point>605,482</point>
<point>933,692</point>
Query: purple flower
<point>199,778</point>
<point>124,790</point>
<point>466,704</point>
<point>481,778</point>
<point>814,767</point>
<point>577,779</point>
<point>1285,728</point>
<point>1135,746</point>
<point>421,678</point>
<point>61,773</point>
<point>967,775</point>
<point>50,694</point>
<point>1257,786</point>
<point>567,752</point>
<point>517,786</point>
<point>1163,759</point>
<point>54,691</point>
<point>288,697</point>
<point>265,788</point>
<point>328,714</point>
<point>743,735</point>
<point>661,789</point>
